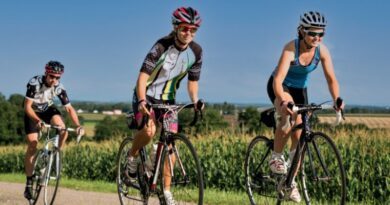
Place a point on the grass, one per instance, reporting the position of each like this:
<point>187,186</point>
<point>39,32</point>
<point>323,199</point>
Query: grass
<point>211,196</point>
<point>94,186</point>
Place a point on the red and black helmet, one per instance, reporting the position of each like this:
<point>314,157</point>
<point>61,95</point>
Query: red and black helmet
<point>54,67</point>
<point>186,15</point>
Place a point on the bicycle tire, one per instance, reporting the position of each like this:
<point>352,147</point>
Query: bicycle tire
<point>260,183</point>
<point>186,185</point>
<point>128,192</point>
<point>53,176</point>
<point>39,164</point>
<point>323,177</point>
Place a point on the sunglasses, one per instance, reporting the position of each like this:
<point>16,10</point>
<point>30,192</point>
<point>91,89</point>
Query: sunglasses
<point>185,29</point>
<point>54,77</point>
<point>314,34</point>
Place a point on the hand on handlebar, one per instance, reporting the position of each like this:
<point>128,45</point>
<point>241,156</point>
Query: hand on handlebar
<point>80,131</point>
<point>286,107</point>
<point>339,104</point>
<point>142,107</point>
<point>199,105</point>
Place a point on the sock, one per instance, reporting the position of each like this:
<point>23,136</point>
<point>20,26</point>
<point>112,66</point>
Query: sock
<point>29,180</point>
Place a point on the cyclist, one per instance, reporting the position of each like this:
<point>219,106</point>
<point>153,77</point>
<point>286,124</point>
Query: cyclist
<point>168,62</point>
<point>288,84</point>
<point>39,108</point>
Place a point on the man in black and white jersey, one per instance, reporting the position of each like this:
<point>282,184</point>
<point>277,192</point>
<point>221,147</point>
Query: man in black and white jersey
<point>39,108</point>
<point>168,62</point>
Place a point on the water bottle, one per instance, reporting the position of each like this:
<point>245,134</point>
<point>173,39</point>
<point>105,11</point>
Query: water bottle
<point>152,158</point>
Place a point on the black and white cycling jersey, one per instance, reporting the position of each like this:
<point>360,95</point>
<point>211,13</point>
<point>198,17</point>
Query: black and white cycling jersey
<point>43,96</point>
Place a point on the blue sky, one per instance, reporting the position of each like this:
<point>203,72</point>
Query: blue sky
<point>103,43</point>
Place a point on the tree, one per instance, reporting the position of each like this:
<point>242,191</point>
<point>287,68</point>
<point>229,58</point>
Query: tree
<point>11,120</point>
<point>109,128</point>
<point>249,119</point>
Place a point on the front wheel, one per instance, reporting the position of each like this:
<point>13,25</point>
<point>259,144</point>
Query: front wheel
<point>38,174</point>
<point>181,172</point>
<point>129,192</point>
<point>52,176</point>
<point>260,184</point>
<point>322,172</point>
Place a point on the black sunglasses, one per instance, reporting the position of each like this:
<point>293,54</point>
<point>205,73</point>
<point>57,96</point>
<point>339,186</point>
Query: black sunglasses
<point>314,34</point>
<point>54,77</point>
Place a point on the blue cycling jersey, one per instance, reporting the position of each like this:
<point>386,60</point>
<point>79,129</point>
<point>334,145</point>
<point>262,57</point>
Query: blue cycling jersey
<point>297,75</point>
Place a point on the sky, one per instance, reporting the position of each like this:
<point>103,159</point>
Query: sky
<point>102,45</point>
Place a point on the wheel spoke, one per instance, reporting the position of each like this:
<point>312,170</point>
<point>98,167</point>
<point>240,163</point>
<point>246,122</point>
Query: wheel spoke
<point>181,172</point>
<point>324,172</point>
<point>259,183</point>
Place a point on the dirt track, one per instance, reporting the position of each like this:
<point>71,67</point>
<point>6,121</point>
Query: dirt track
<point>12,194</point>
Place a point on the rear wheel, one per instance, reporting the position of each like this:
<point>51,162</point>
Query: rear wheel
<point>322,174</point>
<point>259,182</point>
<point>129,192</point>
<point>181,171</point>
<point>52,177</point>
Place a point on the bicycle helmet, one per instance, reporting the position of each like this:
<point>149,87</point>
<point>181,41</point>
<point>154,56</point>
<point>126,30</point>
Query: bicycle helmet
<point>54,67</point>
<point>313,19</point>
<point>186,15</point>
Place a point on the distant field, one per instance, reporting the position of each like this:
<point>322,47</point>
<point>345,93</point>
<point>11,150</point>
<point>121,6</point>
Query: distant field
<point>371,120</point>
<point>90,121</point>
<point>94,117</point>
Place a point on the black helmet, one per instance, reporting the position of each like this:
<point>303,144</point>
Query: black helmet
<point>54,67</point>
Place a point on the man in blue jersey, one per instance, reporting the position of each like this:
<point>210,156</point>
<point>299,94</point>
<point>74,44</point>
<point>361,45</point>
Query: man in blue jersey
<point>168,62</point>
<point>288,84</point>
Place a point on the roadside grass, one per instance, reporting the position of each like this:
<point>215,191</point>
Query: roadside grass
<point>211,196</point>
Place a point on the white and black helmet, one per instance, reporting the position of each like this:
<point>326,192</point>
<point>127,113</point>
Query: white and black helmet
<point>313,19</point>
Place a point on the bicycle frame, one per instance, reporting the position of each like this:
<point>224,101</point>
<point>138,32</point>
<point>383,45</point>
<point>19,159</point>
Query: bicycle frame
<point>306,136</point>
<point>299,149</point>
<point>50,150</point>
<point>164,143</point>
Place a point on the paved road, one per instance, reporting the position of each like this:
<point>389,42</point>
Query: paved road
<point>12,194</point>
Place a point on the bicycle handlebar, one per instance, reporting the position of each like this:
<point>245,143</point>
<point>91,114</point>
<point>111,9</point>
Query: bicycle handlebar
<point>177,107</point>
<point>69,129</point>
<point>313,107</point>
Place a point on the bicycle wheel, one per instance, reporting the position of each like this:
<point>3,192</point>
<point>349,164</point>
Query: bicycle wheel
<point>181,173</point>
<point>259,182</point>
<point>38,172</point>
<point>129,192</point>
<point>322,171</point>
<point>52,176</point>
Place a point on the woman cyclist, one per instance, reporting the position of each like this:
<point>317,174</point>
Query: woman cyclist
<point>288,84</point>
<point>168,62</point>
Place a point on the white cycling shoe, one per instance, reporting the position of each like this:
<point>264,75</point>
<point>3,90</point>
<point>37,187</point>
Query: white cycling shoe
<point>169,198</point>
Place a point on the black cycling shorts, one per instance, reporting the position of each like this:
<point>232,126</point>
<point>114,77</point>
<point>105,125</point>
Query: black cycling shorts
<point>30,126</point>
<point>299,95</point>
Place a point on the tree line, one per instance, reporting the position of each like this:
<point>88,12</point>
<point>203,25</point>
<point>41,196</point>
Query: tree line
<point>247,119</point>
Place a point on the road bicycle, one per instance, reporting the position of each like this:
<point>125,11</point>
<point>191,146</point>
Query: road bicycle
<point>317,164</point>
<point>47,166</point>
<point>174,157</point>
